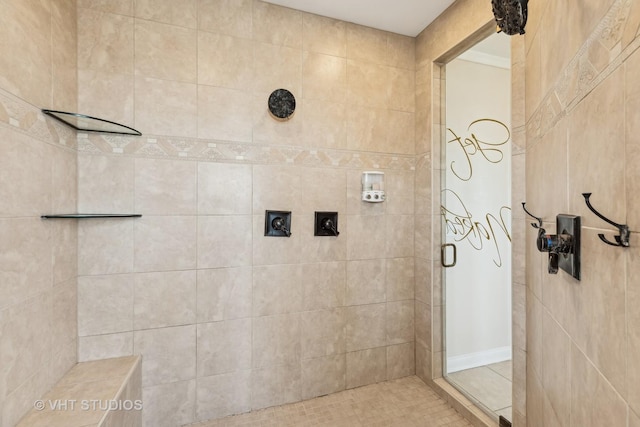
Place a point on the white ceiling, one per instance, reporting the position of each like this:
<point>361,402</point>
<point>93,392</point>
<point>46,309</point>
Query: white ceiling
<point>407,17</point>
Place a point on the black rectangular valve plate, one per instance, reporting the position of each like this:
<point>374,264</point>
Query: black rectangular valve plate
<point>326,224</point>
<point>570,224</point>
<point>277,223</point>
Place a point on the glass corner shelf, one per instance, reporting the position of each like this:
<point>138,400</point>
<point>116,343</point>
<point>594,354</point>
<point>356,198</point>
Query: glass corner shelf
<point>87,216</point>
<point>81,122</point>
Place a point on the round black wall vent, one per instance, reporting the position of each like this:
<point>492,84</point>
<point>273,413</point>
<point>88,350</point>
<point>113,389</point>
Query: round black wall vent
<point>282,104</point>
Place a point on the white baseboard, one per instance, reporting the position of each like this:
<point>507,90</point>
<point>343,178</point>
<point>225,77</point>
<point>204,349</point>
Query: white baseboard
<point>481,358</point>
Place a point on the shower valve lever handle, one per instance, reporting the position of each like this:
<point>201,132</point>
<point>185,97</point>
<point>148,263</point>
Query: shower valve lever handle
<point>553,263</point>
<point>279,224</point>
<point>327,224</point>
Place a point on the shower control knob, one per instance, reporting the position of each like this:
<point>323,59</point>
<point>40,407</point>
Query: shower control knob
<point>280,224</point>
<point>557,243</point>
<point>545,242</point>
<point>277,223</point>
<point>554,244</point>
<point>328,225</point>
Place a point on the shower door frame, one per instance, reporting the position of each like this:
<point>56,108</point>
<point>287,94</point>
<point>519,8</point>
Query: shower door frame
<point>445,266</point>
<point>518,295</point>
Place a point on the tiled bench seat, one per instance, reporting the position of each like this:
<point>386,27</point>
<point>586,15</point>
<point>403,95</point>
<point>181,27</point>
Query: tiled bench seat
<point>101,393</point>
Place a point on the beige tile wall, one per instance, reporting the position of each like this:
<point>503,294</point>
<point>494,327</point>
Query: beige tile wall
<point>582,358</point>
<point>228,320</point>
<point>38,263</point>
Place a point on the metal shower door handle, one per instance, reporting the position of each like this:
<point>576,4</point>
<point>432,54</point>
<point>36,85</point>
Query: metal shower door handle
<point>443,254</point>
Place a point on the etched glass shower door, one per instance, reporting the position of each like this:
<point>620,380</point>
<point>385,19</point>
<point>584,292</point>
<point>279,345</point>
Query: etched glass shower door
<point>476,224</point>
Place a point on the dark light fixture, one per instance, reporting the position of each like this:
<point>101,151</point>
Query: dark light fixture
<point>510,15</point>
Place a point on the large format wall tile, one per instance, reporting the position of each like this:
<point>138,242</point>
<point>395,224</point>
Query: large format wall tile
<point>183,14</point>
<point>272,250</point>
<point>165,107</point>
<point>165,187</point>
<point>324,77</point>
<point>165,243</point>
<point>275,386</point>
<point>105,304</point>
<point>120,7</point>
<point>224,241</point>
<point>226,17</point>
<point>367,237</point>
<point>98,347</point>
<point>399,322</point>
<point>64,57</point>
<point>169,354</point>
<point>326,248</point>
<point>633,329</point>
<point>169,404</point>
<point>365,326</point>
<point>324,124</point>
<point>30,24</point>
<point>164,299</point>
<point>277,25</point>
<point>556,375</point>
<point>26,168</point>
<point>231,120</point>
<point>105,41</point>
<point>366,367</point>
<point>400,279</point>
<point>401,360</point>
<point>24,348</point>
<point>366,44</point>
<point>632,145</point>
<point>105,184</point>
<point>365,282</point>
<point>224,294</point>
<point>165,51</point>
<point>277,289</point>
<point>324,35</point>
<point>323,333</point>
<point>594,401</point>
<point>22,270</point>
<point>224,61</point>
<point>224,189</point>
<point>269,75</point>
<point>323,285</point>
<point>225,394</point>
<point>597,311</point>
<point>598,118</point>
<point>323,375</point>
<point>224,347</point>
<point>276,340</point>
<point>108,95</point>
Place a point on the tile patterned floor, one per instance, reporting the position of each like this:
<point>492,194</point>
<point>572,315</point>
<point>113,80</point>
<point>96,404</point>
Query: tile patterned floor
<point>490,385</point>
<point>406,402</point>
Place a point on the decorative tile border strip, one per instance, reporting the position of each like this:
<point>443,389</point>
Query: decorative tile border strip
<point>423,161</point>
<point>26,118</point>
<point>583,74</point>
<point>237,152</point>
